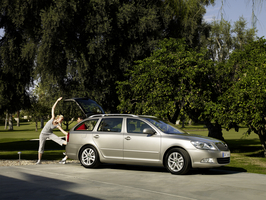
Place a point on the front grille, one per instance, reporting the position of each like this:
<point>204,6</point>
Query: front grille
<point>223,160</point>
<point>222,146</point>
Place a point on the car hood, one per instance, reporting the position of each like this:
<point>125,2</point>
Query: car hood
<point>193,137</point>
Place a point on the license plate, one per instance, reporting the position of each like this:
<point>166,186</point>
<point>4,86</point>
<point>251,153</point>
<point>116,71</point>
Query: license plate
<point>226,154</point>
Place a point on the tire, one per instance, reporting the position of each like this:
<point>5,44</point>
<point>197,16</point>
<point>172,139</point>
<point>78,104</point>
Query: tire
<point>89,157</point>
<point>177,161</point>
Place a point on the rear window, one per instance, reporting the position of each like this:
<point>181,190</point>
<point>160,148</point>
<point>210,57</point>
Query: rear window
<point>91,106</point>
<point>87,125</point>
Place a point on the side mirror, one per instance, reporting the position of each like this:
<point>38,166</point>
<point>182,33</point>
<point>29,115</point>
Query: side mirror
<point>149,131</point>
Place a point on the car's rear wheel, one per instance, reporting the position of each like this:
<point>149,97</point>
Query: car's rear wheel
<point>177,161</point>
<point>89,157</point>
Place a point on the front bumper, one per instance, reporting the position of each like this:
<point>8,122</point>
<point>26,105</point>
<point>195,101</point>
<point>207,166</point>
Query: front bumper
<point>208,158</point>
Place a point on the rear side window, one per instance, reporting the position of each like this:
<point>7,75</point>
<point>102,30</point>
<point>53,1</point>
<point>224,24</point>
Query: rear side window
<point>111,125</point>
<point>87,125</point>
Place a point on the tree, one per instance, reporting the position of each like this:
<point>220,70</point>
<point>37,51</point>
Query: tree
<point>91,43</point>
<point>220,40</point>
<point>37,111</point>
<point>15,73</point>
<point>225,37</point>
<point>223,40</point>
<point>17,54</point>
<point>82,48</point>
<point>244,101</point>
<point>186,20</point>
<point>172,78</point>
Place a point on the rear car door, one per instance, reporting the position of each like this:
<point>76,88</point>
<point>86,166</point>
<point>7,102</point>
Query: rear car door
<point>79,136</point>
<point>109,138</point>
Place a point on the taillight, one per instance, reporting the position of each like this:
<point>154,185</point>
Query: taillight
<point>68,137</point>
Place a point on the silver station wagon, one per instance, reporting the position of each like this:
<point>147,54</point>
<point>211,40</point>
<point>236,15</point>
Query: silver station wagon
<point>142,140</point>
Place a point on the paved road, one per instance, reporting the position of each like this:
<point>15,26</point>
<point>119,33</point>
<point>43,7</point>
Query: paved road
<point>73,182</point>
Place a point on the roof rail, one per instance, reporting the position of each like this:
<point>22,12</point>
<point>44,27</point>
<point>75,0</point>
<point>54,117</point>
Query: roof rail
<point>150,116</point>
<point>104,115</point>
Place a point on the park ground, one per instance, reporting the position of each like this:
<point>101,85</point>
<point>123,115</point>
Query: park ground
<point>246,151</point>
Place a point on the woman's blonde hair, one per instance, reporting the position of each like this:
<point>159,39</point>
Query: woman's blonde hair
<point>59,116</point>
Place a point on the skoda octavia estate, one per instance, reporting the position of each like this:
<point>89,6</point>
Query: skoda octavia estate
<point>142,140</point>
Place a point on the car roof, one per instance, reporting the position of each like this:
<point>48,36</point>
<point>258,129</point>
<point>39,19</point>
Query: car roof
<point>122,115</point>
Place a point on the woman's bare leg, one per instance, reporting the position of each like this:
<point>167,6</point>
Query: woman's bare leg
<point>39,158</point>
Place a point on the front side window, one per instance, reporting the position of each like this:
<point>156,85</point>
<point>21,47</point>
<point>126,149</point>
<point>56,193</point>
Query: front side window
<point>164,126</point>
<point>136,126</point>
<point>111,125</point>
<point>87,125</point>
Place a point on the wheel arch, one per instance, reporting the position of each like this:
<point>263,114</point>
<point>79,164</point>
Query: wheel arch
<point>86,145</point>
<point>173,147</point>
<point>89,159</point>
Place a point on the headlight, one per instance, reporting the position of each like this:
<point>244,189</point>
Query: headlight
<point>203,145</point>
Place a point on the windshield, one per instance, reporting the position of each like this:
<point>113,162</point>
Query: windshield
<point>165,126</point>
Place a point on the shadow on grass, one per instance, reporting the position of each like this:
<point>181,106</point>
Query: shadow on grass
<point>252,146</point>
<point>19,130</point>
<point>29,150</point>
<point>55,155</point>
<point>29,145</point>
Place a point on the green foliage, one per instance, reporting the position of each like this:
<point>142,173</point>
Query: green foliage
<point>186,20</point>
<point>87,45</point>
<point>81,48</point>
<point>225,37</point>
<point>167,81</point>
<point>15,70</point>
<point>244,101</point>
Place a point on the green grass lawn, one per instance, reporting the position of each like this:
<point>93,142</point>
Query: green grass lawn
<point>21,139</point>
<point>246,152</point>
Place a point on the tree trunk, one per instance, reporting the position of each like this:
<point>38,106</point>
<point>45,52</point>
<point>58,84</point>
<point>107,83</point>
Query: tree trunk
<point>215,131</point>
<point>175,116</point>
<point>10,122</point>
<point>6,120</point>
<point>36,125</point>
<point>183,123</point>
<point>42,123</point>
<point>66,123</point>
<point>18,124</point>
<point>262,137</point>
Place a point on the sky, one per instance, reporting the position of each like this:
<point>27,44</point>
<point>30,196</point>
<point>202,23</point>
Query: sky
<point>232,10</point>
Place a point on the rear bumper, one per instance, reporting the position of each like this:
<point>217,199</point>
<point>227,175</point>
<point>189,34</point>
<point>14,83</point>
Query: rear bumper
<point>72,151</point>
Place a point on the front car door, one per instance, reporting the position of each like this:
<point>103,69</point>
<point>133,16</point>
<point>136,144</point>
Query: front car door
<point>139,146</point>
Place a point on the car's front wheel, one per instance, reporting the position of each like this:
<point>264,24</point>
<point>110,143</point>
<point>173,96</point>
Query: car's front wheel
<point>177,161</point>
<point>89,157</point>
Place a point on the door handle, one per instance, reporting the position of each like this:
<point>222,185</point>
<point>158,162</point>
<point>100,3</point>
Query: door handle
<point>128,138</point>
<point>96,136</point>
